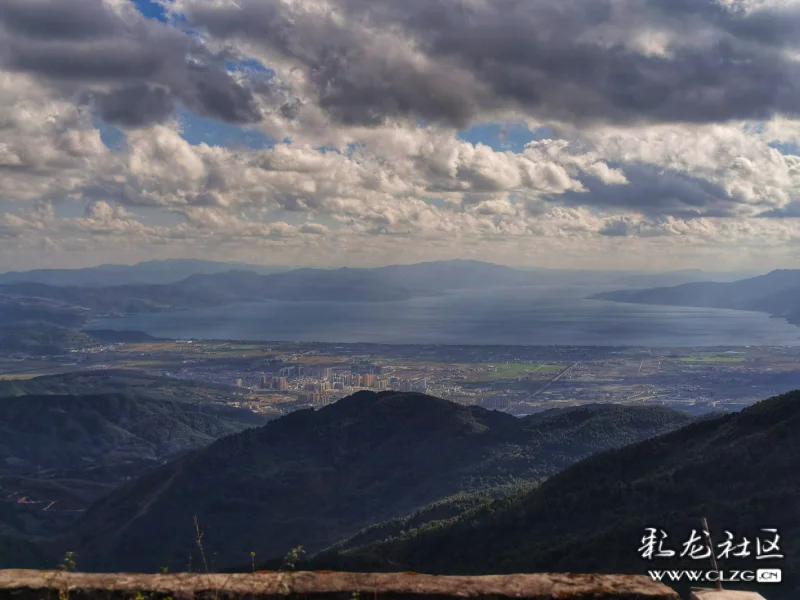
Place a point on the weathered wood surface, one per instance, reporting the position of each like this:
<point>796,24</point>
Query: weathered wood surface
<point>25,585</point>
<point>698,594</point>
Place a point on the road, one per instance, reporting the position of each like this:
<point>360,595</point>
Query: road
<point>553,380</point>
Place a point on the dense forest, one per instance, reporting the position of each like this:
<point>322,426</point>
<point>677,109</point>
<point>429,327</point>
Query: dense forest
<point>741,471</point>
<point>313,478</point>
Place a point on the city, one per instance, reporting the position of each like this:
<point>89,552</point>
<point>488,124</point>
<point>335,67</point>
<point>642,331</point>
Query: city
<point>278,378</point>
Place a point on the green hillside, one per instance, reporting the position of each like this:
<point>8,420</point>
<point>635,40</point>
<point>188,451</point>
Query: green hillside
<point>741,471</point>
<point>316,477</point>
<point>61,453</point>
<point>82,433</point>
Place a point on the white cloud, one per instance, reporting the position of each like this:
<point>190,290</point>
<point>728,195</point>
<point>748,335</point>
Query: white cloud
<point>661,185</point>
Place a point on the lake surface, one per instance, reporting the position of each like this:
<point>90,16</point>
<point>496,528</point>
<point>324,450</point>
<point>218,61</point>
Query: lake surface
<point>542,315</point>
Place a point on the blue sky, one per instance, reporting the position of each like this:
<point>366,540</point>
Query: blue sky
<point>500,137</point>
<point>151,10</point>
<point>197,129</point>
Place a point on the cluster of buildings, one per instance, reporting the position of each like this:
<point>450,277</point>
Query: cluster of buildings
<point>280,384</point>
<point>320,386</point>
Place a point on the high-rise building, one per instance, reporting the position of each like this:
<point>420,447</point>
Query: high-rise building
<point>264,382</point>
<point>368,381</point>
<point>321,400</point>
<point>294,371</point>
<point>239,383</point>
<point>281,384</point>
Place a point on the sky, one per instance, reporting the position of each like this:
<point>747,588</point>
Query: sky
<point>624,134</point>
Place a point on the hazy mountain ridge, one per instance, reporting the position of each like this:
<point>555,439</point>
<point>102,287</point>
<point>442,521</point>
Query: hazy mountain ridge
<point>218,289</point>
<point>741,471</point>
<point>776,293</point>
<point>149,272</point>
<point>222,287</point>
<point>41,339</point>
<point>314,478</point>
<point>673,278</point>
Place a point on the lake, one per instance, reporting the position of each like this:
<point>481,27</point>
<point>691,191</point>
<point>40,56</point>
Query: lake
<point>542,315</point>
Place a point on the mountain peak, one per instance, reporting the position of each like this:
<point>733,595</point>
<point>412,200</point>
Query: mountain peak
<point>739,470</point>
<point>315,477</point>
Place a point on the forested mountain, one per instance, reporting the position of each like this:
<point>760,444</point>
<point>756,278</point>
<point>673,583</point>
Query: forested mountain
<point>60,452</point>
<point>121,381</point>
<point>81,434</point>
<point>42,339</point>
<point>315,477</point>
<point>741,471</point>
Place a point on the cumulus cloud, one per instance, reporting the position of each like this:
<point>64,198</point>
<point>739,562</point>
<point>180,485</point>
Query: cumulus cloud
<point>690,171</point>
<point>133,69</point>
<point>621,61</point>
<point>664,121</point>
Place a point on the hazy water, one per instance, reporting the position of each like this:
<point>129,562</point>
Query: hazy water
<point>521,316</point>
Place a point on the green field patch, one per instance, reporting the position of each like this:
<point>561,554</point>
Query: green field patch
<point>318,360</point>
<point>515,370</point>
<point>714,359</point>
<point>244,349</point>
<point>134,364</point>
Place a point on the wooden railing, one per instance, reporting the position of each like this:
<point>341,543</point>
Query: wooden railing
<point>25,585</point>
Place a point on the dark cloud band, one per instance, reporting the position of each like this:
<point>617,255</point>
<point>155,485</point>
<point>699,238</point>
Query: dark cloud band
<point>135,70</point>
<point>573,60</point>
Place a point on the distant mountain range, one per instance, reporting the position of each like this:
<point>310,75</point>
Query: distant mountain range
<point>174,270</point>
<point>676,278</point>
<point>32,301</point>
<point>314,477</point>
<point>740,471</point>
<point>776,293</point>
<point>150,272</point>
<point>60,298</point>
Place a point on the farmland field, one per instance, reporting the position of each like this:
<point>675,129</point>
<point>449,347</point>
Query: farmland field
<point>714,358</point>
<point>514,370</point>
